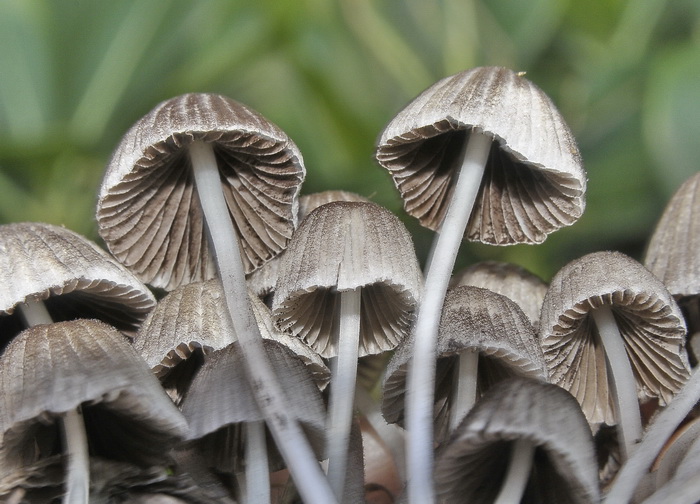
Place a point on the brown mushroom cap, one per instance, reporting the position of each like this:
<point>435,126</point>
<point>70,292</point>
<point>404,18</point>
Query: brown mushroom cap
<point>70,274</point>
<point>647,316</point>
<point>472,319</point>
<point>48,370</point>
<point>343,246</point>
<point>472,466</point>
<point>534,182</point>
<point>148,210</point>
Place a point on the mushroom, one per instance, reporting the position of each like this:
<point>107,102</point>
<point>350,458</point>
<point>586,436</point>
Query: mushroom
<point>484,338</point>
<point>524,441</point>
<point>348,285</point>
<point>205,161</point>
<point>487,139</point>
<point>605,314</point>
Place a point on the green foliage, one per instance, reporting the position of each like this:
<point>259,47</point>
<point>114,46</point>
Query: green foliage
<point>75,75</point>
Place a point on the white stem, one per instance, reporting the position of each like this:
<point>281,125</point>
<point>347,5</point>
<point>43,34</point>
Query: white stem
<point>661,428</point>
<point>519,467</point>
<point>257,471</point>
<point>464,387</point>
<point>343,379</point>
<point>624,386</point>
<point>301,461</point>
<point>72,426</point>
<point>421,369</point>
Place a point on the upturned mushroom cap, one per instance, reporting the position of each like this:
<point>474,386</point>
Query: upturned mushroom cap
<point>509,280</point>
<point>472,466</point>
<point>343,246</point>
<point>70,274</point>
<point>473,319</point>
<point>534,182</point>
<point>148,211</point>
<point>648,319</point>
<point>48,370</point>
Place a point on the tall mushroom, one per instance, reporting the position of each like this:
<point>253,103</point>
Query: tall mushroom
<point>348,285</point>
<point>482,154</point>
<point>611,332</point>
<point>205,161</point>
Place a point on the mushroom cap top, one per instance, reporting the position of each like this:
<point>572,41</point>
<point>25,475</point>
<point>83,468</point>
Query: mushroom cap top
<point>148,211</point>
<point>648,318</point>
<point>534,181</point>
<point>473,319</point>
<point>70,274</point>
<point>472,466</point>
<point>343,246</point>
<point>194,316</point>
<point>672,253</point>
<point>48,370</point>
<point>509,280</point>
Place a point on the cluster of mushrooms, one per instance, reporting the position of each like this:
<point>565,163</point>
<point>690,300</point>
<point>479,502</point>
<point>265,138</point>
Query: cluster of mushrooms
<point>240,343</point>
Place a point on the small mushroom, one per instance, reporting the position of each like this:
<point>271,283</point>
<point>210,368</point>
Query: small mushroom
<point>524,441</point>
<point>606,314</point>
<point>483,154</point>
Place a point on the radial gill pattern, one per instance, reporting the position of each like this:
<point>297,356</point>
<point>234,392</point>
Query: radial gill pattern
<point>149,213</point>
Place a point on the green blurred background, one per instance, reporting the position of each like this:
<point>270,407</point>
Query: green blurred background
<point>74,75</point>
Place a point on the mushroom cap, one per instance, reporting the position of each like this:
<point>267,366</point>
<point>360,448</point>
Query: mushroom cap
<point>509,280</point>
<point>48,370</point>
<point>534,181</point>
<point>472,466</point>
<point>648,318</point>
<point>473,319</point>
<point>342,246</point>
<point>70,274</point>
<point>148,210</point>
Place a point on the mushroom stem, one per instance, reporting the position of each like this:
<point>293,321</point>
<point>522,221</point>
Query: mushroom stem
<point>295,448</point>
<point>464,386</point>
<point>343,379</point>
<point>72,426</point>
<point>257,471</point>
<point>629,426</point>
<point>421,370</point>
<point>519,467</point>
<point>658,432</point>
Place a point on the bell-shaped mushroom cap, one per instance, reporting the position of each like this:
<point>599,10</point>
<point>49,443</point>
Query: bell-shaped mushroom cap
<point>148,211</point>
<point>220,400</point>
<point>48,370</point>
<point>310,202</point>
<point>534,181</point>
<point>648,318</point>
<point>471,468</point>
<point>472,319</point>
<point>70,274</point>
<point>193,317</point>
<point>342,246</point>
<point>509,280</point>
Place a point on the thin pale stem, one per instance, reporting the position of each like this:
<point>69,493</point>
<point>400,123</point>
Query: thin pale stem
<point>257,471</point>
<point>305,470</point>
<point>519,467</point>
<point>421,370</point>
<point>658,432</point>
<point>71,423</point>
<point>464,387</point>
<point>342,392</point>
<point>629,420</point>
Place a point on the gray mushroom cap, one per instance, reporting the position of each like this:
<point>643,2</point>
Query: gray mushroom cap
<point>343,246</point>
<point>534,181</point>
<point>70,274</point>
<point>472,466</point>
<point>51,369</point>
<point>148,211</point>
<point>648,318</point>
<point>472,319</point>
